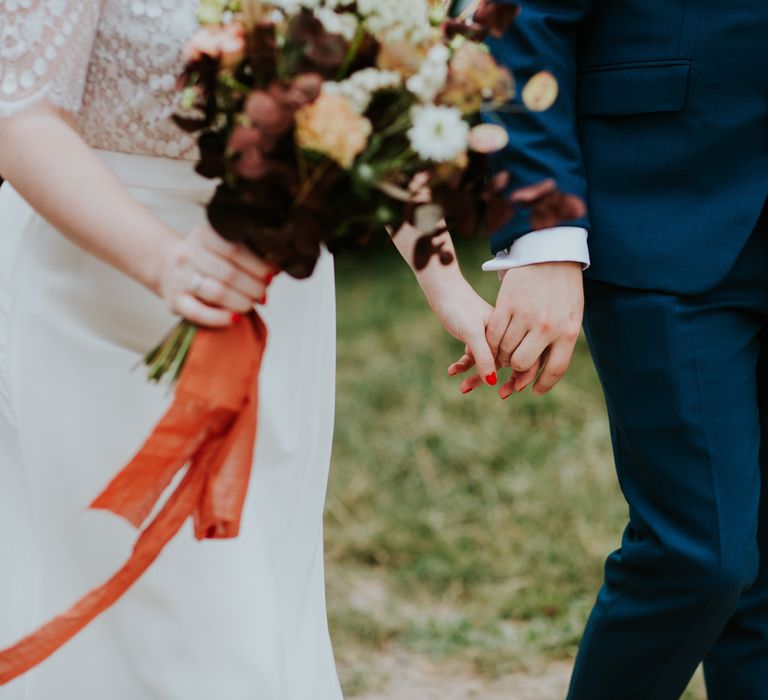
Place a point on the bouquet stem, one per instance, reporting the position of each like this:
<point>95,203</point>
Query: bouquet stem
<point>166,361</point>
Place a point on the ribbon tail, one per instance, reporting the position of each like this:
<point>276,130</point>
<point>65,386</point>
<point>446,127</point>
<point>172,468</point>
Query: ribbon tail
<point>209,425</point>
<point>38,646</point>
<point>136,489</point>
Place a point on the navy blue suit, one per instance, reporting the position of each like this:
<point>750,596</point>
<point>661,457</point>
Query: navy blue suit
<point>662,125</point>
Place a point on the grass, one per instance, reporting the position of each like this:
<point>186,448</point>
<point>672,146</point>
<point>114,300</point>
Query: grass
<point>461,528</point>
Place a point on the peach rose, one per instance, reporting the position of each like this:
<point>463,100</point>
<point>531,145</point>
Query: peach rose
<point>330,125</point>
<point>225,42</point>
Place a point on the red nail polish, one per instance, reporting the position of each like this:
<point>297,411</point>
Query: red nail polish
<point>491,379</point>
<point>263,299</point>
<point>466,391</point>
<point>269,277</point>
<point>236,318</point>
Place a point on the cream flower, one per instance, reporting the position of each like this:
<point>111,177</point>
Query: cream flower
<point>438,134</point>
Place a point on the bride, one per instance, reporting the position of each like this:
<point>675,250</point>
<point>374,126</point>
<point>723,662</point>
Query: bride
<point>94,265</point>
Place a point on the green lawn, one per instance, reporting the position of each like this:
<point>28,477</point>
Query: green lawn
<point>462,528</point>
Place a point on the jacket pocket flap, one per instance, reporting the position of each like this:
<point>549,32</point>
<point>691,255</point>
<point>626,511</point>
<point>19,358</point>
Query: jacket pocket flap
<point>633,88</point>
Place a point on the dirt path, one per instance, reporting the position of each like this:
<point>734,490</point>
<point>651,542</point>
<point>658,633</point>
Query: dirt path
<point>404,679</point>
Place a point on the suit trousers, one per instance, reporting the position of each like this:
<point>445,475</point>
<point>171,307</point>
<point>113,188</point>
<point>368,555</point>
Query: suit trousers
<point>686,387</point>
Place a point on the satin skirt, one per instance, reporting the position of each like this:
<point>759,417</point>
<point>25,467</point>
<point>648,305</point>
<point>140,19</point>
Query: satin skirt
<point>232,620</point>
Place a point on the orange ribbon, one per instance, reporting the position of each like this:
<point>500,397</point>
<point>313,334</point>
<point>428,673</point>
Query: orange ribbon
<point>210,426</point>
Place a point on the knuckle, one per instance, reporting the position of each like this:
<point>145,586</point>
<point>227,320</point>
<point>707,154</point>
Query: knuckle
<point>556,374</point>
<point>572,332</point>
<point>518,365</point>
<point>229,275</point>
<point>217,294</point>
<point>571,336</point>
<point>506,348</point>
<point>221,244</point>
<point>181,256</point>
<point>524,316</point>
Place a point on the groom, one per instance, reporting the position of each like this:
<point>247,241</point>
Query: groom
<point>662,125</point>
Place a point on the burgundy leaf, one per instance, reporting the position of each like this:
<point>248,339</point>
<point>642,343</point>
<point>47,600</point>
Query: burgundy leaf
<point>548,205</point>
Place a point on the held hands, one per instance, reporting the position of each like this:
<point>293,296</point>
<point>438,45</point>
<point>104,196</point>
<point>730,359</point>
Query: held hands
<point>533,329</point>
<point>211,281</point>
<point>465,315</point>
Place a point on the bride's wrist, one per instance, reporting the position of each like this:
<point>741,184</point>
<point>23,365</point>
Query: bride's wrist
<point>440,283</point>
<point>154,274</point>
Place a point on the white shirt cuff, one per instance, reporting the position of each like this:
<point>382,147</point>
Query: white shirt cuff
<point>559,244</point>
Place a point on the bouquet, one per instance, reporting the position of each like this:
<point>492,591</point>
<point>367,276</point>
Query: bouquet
<point>322,121</point>
<point>326,121</point>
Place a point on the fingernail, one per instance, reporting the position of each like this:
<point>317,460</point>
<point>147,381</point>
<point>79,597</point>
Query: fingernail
<point>263,299</point>
<point>491,379</point>
<point>236,318</point>
<point>466,391</point>
<point>269,277</point>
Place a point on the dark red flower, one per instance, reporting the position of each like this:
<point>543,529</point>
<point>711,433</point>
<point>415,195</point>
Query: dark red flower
<point>268,113</point>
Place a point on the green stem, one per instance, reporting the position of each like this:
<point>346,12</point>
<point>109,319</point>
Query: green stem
<point>159,359</point>
<point>181,356</point>
<point>233,83</point>
<point>398,126</point>
<point>354,48</point>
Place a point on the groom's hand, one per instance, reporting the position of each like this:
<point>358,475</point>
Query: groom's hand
<point>536,324</point>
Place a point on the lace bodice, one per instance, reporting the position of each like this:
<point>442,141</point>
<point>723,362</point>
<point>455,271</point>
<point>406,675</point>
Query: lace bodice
<point>113,63</point>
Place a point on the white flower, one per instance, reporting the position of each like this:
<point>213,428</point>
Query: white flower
<point>396,20</point>
<point>373,80</point>
<point>360,87</point>
<point>438,134</point>
<point>343,23</point>
<point>291,6</point>
<point>432,75</point>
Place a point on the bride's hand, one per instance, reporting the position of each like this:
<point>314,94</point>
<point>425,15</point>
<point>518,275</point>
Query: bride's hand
<point>465,315</point>
<point>211,281</point>
<point>461,310</point>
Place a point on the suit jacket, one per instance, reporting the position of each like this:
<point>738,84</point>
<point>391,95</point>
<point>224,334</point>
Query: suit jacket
<point>661,124</point>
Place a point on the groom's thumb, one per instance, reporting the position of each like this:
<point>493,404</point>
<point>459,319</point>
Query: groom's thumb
<point>484,360</point>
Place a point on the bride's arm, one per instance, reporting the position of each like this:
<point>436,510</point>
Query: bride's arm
<point>47,162</point>
<point>461,310</point>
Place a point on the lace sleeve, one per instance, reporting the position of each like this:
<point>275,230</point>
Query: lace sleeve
<point>45,48</point>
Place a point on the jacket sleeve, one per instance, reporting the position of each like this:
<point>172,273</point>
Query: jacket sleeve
<point>541,145</point>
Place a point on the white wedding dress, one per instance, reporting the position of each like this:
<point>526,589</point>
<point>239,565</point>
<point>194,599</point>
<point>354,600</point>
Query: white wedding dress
<point>227,620</point>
